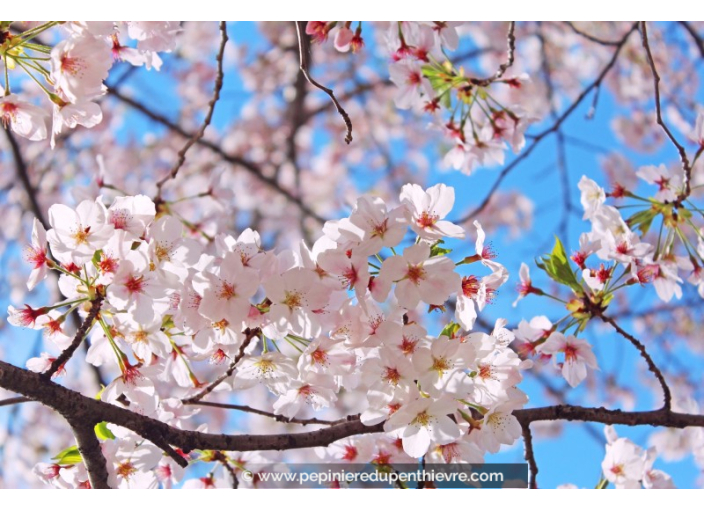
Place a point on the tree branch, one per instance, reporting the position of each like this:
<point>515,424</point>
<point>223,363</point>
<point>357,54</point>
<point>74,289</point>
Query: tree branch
<point>667,394</point>
<point>23,176</point>
<point>249,166</point>
<point>250,334</point>
<point>694,35</point>
<point>13,401</point>
<point>78,408</point>
<point>590,37</point>
<point>541,136</point>
<point>208,117</point>
<point>277,417</point>
<point>510,56</point>
<point>686,166</point>
<point>74,406</point>
<point>304,52</point>
<point>530,455</point>
<point>63,358</point>
<point>91,452</point>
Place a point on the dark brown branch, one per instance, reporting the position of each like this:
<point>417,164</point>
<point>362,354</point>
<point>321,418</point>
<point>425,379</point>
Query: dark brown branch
<point>13,401</point>
<point>249,166</point>
<point>92,454</point>
<point>23,176</point>
<point>590,37</point>
<point>75,406</point>
<point>667,394</point>
<point>304,52</point>
<point>658,418</point>
<point>249,335</point>
<point>530,456</point>
<point>223,460</point>
<point>694,35</point>
<point>510,56</point>
<point>556,125</point>
<point>208,117</point>
<point>686,166</point>
<point>63,358</point>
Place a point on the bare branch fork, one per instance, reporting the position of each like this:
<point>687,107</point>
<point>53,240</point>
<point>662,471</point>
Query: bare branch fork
<point>233,159</point>
<point>510,56</point>
<point>686,165</point>
<point>304,51</point>
<point>208,117</point>
<point>552,129</point>
<point>249,335</point>
<point>63,358</point>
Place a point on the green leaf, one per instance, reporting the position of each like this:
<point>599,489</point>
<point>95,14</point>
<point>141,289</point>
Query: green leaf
<point>642,220</point>
<point>69,457</point>
<point>436,250</point>
<point>103,432</point>
<point>557,266</point>
<point>450,330</point>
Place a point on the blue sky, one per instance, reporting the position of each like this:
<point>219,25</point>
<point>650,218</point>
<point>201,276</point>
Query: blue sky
<point>576,455</point>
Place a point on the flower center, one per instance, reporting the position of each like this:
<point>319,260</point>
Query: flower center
<point>81,235</point>
<point>427,220</point>
<point>441,364</point>
<point>391,375</point>
<point>292,299</point>
<point>227,291</point>
<point>423,419</point>
<point>415,273</point>
<point>319,357</point>
<point>126,469</point>
<point>135,284</point>
<point>470,286</point>
<point>71,65</point>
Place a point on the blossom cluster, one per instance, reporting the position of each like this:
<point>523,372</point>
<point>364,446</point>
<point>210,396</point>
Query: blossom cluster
<point>628,466</point>
<point>344,316</point>
<point>614,241</point>
<point>72,72</point>
<point>475,123</point>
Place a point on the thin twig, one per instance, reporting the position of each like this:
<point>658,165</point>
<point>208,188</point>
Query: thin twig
<point>63,358</point>
<point>23,175</point>
<point>13,401</point>
<point>541,136</point>
<point>304,53</point>
<point>223,460</point>
<point>686,166</point>
<point>510,56</point>
<point>644,354</point>
<point>208,117</point>
<point>694,35</point>
<point>590,37</point>
<point>246,164</point>
<point>249,335</point>
<point>277,417</point>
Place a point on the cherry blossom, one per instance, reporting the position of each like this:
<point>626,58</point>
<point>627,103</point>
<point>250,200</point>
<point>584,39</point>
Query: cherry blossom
<point>578,356</point>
